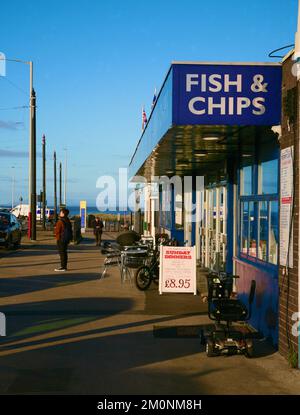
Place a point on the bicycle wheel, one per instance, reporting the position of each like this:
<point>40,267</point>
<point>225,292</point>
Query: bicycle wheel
<point>143,278</point>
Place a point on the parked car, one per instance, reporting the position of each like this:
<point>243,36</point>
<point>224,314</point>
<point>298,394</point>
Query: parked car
<point>10,230</point>
<point>5,209</point>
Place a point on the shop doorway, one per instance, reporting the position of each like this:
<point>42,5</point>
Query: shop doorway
<point>212,228</point>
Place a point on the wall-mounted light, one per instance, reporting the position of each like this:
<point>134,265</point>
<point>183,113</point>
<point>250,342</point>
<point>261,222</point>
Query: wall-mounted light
<point>211,138</point>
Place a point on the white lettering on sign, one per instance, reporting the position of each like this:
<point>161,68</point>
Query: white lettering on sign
<point>191,79</point>
<point>216,83</point>
<point>192,106</point>
<point>241,104</point>
<point>227,105</point>
<point>237,82</point>
<point>230,106</point>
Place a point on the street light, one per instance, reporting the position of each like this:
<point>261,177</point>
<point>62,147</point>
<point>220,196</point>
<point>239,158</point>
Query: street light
<point>12,186</point>
<point>32,150</point>
<point>65,184</point>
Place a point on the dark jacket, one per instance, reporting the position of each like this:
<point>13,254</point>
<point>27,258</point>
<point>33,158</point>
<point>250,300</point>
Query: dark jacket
<point>98,226</point>
<point>60,226</point>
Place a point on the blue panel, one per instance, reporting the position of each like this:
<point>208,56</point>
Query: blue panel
<point>252,98</point>
<point>265,307</point>
<point>82,217</point>
<point>158,124</point>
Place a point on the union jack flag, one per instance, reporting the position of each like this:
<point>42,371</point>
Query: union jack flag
<point>144,118</point>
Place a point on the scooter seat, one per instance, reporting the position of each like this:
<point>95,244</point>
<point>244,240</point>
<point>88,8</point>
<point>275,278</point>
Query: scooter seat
<point>228,310</point>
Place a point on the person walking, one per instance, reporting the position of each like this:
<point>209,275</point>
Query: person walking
<point>63,236</point>
<point>98,228</point>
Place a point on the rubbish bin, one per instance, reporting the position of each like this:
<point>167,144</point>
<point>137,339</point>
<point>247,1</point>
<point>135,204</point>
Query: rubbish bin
<point>76,228</point>
<point>90,221</point>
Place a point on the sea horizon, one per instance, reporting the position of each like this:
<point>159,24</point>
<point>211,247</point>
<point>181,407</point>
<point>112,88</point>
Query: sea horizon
<point>75,210</point>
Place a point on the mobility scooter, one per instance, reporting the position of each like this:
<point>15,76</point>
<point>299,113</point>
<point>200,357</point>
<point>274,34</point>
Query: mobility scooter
<point>231,334</point>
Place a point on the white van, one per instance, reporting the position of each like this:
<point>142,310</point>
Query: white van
<point>23,210</point>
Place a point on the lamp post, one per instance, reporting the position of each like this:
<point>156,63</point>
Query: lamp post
<point>12,187</point>
<point>44,181</point>
<point>55,189</point>
<point>32,150</point>
<point>32,178</point>
<point>65,181</point>
<point>60,178</point>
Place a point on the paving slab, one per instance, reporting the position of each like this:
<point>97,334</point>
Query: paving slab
<point>75,333</point>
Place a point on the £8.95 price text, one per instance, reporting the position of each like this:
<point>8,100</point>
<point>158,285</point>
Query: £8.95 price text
<point>181,283</point>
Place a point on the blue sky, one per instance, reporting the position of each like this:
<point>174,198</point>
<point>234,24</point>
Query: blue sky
<point>97,62</point>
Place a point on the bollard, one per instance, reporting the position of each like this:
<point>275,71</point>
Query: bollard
<point>29,225</point>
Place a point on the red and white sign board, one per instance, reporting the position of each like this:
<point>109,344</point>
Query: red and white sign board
<point>286,207</point>
<point>177,270</point>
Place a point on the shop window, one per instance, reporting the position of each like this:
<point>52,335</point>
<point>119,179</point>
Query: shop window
<point>222,210</point>
<point>258,202</point>
<point>252,229</point>
<point>263,231</point>
<point>268,177</point>
<point>245,227</point>
<point>166,209</point>
<point>214,209</point>
<point>178,211</point>
<point>246,181</point>
<point>274,233</point>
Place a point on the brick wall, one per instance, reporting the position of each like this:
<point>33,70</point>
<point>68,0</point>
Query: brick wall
<point>288,284</point>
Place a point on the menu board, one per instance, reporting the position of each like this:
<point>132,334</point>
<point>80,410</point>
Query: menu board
<point>286,206</point>
<point>177,272</point>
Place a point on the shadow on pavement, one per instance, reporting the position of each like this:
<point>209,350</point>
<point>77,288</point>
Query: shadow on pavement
<point>172,303</point>
<point>104,359</point>
<point>125,363</point>
<point>23,285</point>
<point>38,264</point>
<point>96,358</point>
<point>30,319</point>
<point>31,251</point>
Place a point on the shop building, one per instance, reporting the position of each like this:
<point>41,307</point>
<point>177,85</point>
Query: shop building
<point>222,122</point>
<point>289,293</point>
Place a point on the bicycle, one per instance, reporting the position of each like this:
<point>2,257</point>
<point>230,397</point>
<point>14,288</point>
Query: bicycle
<point>148,273</point>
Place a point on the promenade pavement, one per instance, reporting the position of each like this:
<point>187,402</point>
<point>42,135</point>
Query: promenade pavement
<point>74,333</point>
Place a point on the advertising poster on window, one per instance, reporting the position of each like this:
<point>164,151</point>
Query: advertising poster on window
<point>177,273</point>
<point>286,203</point>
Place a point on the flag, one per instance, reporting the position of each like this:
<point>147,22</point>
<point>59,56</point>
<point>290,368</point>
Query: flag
<point>154,100</point>
<point>144,118</point>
